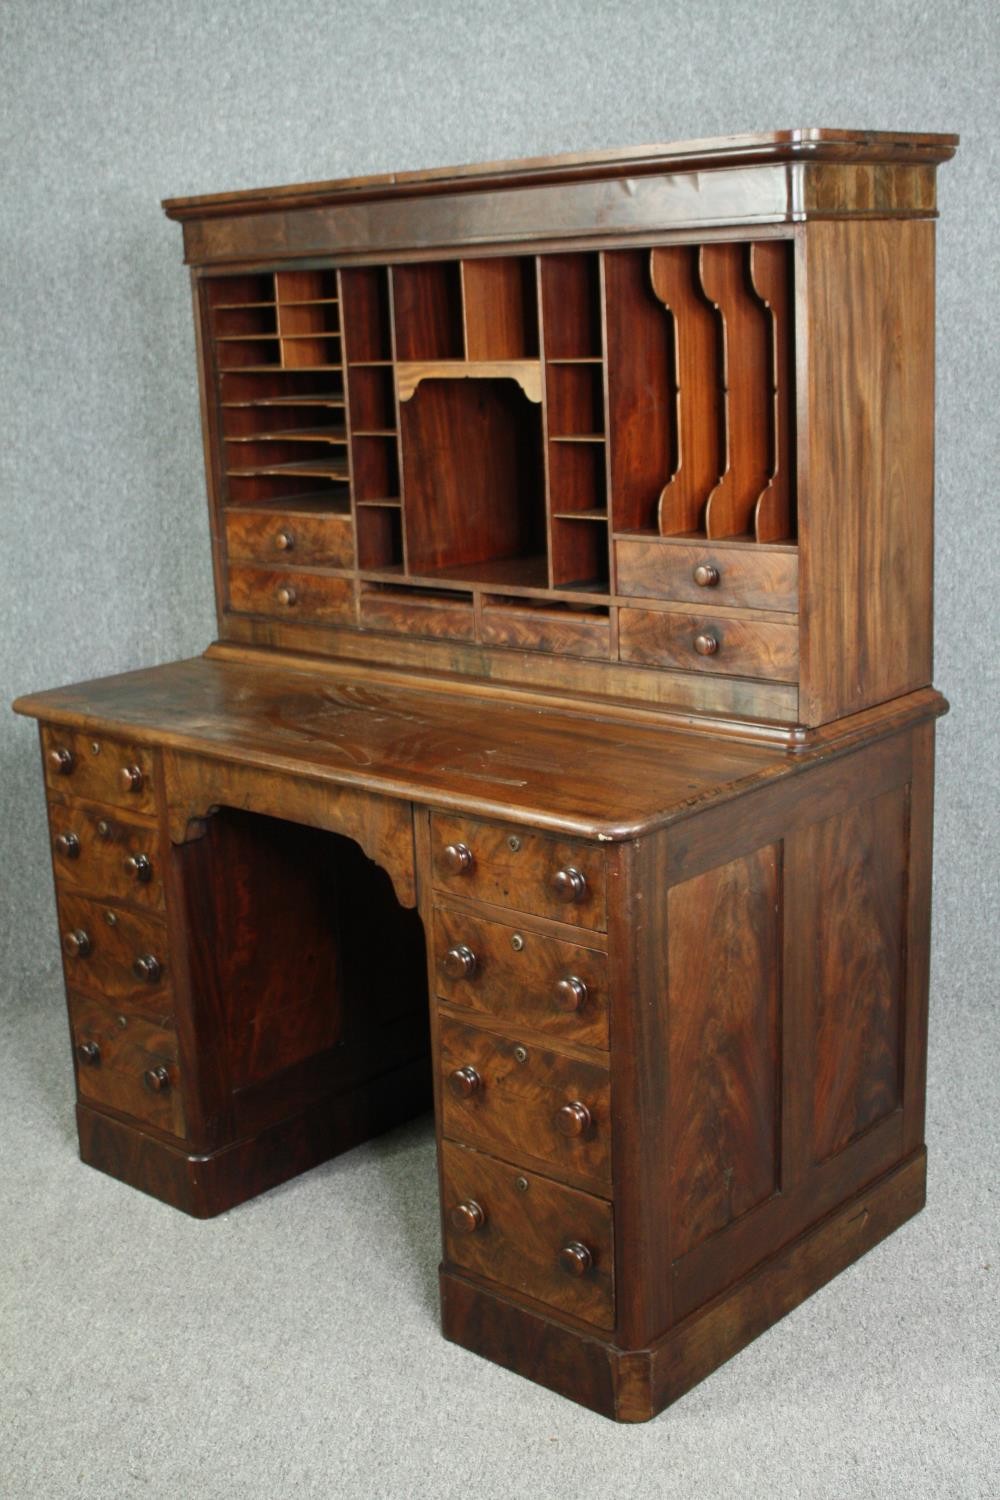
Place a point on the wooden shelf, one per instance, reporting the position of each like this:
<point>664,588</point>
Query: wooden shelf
<point>577,437</point>
<point>322,468</point>
<point>330,502</point>
<point>387,504</point>
<point>312,400</point>
<point>596,513</point>
<point>527,373</point>
<point>293,435</point>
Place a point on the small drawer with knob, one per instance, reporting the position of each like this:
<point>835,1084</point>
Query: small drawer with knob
<point>527,1102</point>
<point>98,852</point>
<point>521,869</point>
<point>97,769</point>
<point>519,977</point>
<point>114,953</point>
<point>305,538</point>
<point>707,643</point>
<point>737,574</point>
<point>533,1236</point>
<point>126,1063</point>
<point>291,594</point>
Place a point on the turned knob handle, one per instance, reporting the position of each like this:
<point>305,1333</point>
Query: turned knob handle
<point>570,993</point>
<point>467,1217</point>
<point>157,1080</point>
<point>148,967</point>
<point>465,1082</point>
<point>286,596</point>
<point>62,760</point>
<point>89,1053</point>
<point>130,778</point>
<point>139,867</point>
<point>458,858</point>
<point>574,1119</point>
<point>575,1259</point>
<point>705,576</point>
<point>459,962</point>
<point>68,845</point>
<point>76,943</point>
<point>569,885</point>
<point>284,541</point>
<point>707,643</point>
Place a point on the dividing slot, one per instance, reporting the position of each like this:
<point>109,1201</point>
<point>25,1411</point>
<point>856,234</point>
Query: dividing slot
<point>577,480</point>
<point>373,402</point>
<point>642,391</point>
<point>365,319</point>
<point>771,274</point>
<point>571,306</point>
<point>278,388</point>
<point>427,302</point>
<point>579,554</point>
<point>501,308</point>
<point>227,292</point>
<point>380,537</point>
<point>292,287</point>
<point>376,470</point>
<point>575,400</point>
<point>537,625</point>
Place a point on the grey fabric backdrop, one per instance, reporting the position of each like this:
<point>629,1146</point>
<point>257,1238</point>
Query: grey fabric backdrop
<point>107,107</point>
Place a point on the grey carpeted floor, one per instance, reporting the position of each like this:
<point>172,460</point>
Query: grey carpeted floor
<point>291,1347</point>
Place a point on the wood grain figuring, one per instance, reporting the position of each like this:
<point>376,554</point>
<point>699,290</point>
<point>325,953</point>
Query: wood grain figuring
<point>515,867</point>
<point>745,577</point>
<point>291,592</point>
<point>437,616</point>
<point>303,538</point>
<point>561,630</point>
<point>724,1041</point>
<point>741,647</point>
<point>517,977</point>
<point>117,938</point>
<point>700,455</point>
<point>109,843</point>
<point>642,391</point>
<point>747,383</point>
<point>514,1111</point>
<point>860,937</point>
<point>96,770</point>
<point>771,275</point>
<point>524,1230</point>
<point>866,374</point>
<point>126,1054</point>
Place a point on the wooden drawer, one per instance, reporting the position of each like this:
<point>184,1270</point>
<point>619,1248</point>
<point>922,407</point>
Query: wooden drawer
<point>116,953</point>
<point>517,976</point>
<point>516,867</point>
<point>104,854</point>
<point>289,536</point>
<point>531,1235</point>
<point>749,577</point>
<point>518,1100</point>
<point>435,616</point>
<point>291,594</point>
<point>742,648</point>
<point>130,1067</point>
<point>550,627</point>
<point>99,769</point>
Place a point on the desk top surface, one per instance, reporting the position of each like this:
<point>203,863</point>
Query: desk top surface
<point>561,769</point>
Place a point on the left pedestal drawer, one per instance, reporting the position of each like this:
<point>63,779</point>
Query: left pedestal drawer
<point>115,953</point>
<point>127,1063</point>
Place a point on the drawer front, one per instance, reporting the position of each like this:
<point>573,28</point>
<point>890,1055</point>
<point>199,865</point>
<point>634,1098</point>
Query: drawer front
<point>515,867</point>
<point>131,1068</point>
<point>521,977</point>
<point>706,643</point>
<point>116,953</point>
<point>289,594</point>
<point>277,536</point>
<point>565,632</point>
<point>101,853</point>
<point>99,769</point>
<point>437,618</point>
<point>522,1100</point>
<point>707,574</point>
<point>533,1236</point>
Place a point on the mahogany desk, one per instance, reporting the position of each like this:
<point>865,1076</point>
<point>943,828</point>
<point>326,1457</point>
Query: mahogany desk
<point>565,757</point>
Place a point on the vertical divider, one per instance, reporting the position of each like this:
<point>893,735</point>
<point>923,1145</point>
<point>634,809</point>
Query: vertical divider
<point>463,310</point>
<point>608,436</point>
<point>745,325</point>
<point>391,298</point>
<point>542,354</point>
<point>675,278</point>
<point>344,357</point>
<point>770,277</point>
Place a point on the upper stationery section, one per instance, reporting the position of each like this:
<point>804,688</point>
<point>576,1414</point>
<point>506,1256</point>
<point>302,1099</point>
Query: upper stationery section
<point>683,460</point>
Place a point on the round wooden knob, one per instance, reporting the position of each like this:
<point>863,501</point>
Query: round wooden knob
<point>569,885</point>
<point>705,576</point>
<point>68,845</point>
<point>464,1082</point>
<point>467,1217</point>
<point>130,778</point>
<point>89,1054</point>
<point>706,644</point>
<point>575,1259</point>
<point>284,541</point>
<point>76,943</point>
<point>573,1119</point>
<point>157,1080</point>
<point>62,760</point>
<point>286,596</point>
<point>148,967</point>
<point>459,962</point>
<point>139,867</point>
<point>570,993</point>
<point>458,858</point>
